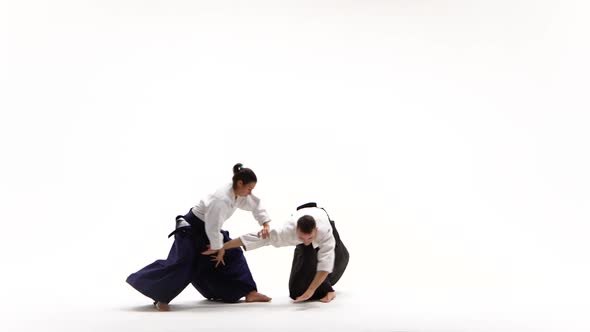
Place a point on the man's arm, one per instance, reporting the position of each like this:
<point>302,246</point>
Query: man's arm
<point>218,258</point>
<point>320,276</point>
<point>228,245</point>
<point>235,243</point>
<point>326,256</point>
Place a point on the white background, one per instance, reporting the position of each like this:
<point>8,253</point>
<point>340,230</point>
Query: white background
<point>448,139</point>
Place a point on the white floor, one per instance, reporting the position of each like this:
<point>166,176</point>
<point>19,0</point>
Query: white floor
<point>364,303</point>
<point>351,311</point>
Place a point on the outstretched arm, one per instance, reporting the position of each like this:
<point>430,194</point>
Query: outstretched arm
<point>217,255</point>
<point>228,245</point>
<point>235,243</point>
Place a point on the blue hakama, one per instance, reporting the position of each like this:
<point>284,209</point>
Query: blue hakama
<point>163,280</point>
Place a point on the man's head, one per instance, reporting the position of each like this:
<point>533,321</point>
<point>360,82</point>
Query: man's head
<point>306,229</point>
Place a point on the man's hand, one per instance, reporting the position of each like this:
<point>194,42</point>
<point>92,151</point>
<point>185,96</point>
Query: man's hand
<point>209,251</point>
<point>305,296</point>
<point>219,257</point>
<point>215,258</point>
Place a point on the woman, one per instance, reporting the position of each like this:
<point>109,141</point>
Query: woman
<point>200,230</point>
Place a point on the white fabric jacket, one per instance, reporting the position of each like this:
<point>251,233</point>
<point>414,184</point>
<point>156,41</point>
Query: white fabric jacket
<point>219,206</point>
<point>287,236</point>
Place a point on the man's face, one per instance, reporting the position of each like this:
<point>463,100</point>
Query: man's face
<point>307,239</point>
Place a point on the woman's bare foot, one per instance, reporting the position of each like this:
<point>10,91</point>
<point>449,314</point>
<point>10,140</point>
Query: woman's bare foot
<point>161,306</point>
<point>254,296</point>
<point>329,297</point>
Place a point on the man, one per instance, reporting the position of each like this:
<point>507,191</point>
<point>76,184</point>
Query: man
<point>320,257</point>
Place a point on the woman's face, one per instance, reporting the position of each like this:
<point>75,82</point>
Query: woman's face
<point>244,189</point>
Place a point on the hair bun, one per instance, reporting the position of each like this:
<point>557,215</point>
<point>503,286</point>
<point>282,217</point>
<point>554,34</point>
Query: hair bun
<point>243,174</point>
<point>238,167</point>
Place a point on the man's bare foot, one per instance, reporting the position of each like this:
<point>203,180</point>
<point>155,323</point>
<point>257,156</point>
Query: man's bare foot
<point>254,296</point>
<point>329,297</point>
<point>161,306</point>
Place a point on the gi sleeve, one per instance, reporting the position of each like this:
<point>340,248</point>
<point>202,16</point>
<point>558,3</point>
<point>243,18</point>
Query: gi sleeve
<point>282,237</point>
<point>214,219</point>
<point>259,213</point>
<point>326,253</point>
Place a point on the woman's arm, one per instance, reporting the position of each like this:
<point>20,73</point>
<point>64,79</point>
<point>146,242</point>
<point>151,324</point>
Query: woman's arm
<point>214,219</point>
<point>259,213</point>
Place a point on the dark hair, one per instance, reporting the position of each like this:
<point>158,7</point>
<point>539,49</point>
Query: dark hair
<point>306,224</point>
<point>243,174</point>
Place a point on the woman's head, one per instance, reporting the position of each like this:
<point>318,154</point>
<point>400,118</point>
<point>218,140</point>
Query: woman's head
<point>244,180</point>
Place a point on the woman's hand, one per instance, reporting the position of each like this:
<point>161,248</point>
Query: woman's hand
<point>264,233</point>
